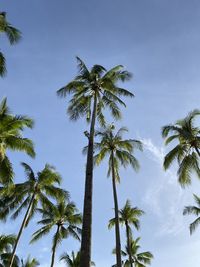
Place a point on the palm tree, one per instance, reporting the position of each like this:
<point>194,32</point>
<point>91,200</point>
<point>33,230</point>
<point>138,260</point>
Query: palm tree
<point>64,217</point>
<point>6,244</point>
<point>13,35</point>
<point>93,91</point>
<point>195,210</point>
<point>141,259</point>
<point>128,216</point>
<point>11,138</point>
<point>35,190</point>
<point>120,152</point>
<point>30,262</point>
<point>73,260</point>
<point>187,151</point>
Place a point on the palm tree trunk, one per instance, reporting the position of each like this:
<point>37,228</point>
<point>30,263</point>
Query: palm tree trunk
<point>87,208</point>
<point>54,246</point>
<point>117,232</point>
<point>21,229</point>
<point>128,243</point>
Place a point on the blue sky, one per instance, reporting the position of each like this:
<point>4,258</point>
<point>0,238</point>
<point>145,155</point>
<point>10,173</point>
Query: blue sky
<point>158,41</point>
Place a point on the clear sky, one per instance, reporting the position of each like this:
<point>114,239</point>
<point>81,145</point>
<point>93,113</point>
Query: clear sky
<point>158,41</point>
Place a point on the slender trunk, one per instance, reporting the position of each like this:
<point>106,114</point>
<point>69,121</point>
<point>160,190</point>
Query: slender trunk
<point>87,208</point>
<point>54,246</point>
<point>128,243</point>
<point>117,232</point>
<point>21,229</point>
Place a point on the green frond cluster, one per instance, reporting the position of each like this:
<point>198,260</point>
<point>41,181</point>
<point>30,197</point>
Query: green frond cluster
<point>13,35</point>
<point>95,83</point>
<point>113,144</point>
<point>73,260</point>
<point>30,262</point>
<point>193,210</point>
<point>187,152</point>
<point>64,217</point>
<point>11,138</point>
<point>138,259</point>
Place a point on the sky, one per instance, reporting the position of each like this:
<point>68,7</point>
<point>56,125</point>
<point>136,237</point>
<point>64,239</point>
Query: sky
<point>158,41</point>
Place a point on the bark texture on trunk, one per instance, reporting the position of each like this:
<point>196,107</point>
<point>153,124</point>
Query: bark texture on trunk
<point>128,243</point>
<point>117,232</point>
<point>87,208</point>
<point>54,247</point>
<point>21,229</point>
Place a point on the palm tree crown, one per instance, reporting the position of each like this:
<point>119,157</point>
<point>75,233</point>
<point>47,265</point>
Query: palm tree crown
<point>73,260</point>
<point>11,129</point>
<point>139,259</point>
<point>128,215</point>
<point>13,36</point>
<point>30,262</point>
<point>6,244</point>
<point>36,189</point>
<point>194,210</point>
<point>66,219</point>
<point>122,149</point>
<point>187,151</point>
<point>96,83</point>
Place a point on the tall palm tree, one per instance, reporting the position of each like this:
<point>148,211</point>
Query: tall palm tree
<point>92,91</point>
<point>11,138</point>
<point>128,216</point>
<point>30,262</point>
<point>73,260</point>
<point>139,259</point>
<point>65,218</point>
<point>37,189</point>
<point>195,210</point>
<point>187,151</point>
<point>13,35</point>
<point>120,152</point>
<point>6,244</point>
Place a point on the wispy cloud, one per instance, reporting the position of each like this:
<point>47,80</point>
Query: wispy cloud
<point>165,197</point>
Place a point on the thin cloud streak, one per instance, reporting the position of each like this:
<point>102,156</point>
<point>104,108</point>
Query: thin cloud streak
<point>164,197</point>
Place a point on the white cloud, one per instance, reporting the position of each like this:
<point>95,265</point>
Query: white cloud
<point>165,197</point>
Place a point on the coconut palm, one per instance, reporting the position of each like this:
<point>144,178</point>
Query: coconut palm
<point>13,35</point>
<point>138,259</point>
<point>64,218</point>
<point>73,260</point>
<point>119,152</point>
<point>11,138</point>
<point>187,151</point>
<point>195,210</point>
<point>30,262</point>
<point>6,244</point>
<point>37,189</point>
<point>128,216</point>
<point>92,91</point>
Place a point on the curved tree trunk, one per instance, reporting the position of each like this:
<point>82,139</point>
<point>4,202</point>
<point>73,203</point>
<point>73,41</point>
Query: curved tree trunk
<point>54,246</point>
<point>128,243</point>
<point>87,208</point>
<point>21,229</point>
<point>117,232</point>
